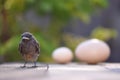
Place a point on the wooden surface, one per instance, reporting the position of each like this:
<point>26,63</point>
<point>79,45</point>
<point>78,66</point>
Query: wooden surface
<point>73,71</point>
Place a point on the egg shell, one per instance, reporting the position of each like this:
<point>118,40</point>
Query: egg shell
<point>92,51</point>
<point>62,55</point>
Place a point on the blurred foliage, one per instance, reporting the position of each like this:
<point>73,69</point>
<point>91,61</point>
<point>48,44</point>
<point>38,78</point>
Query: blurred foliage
<point>99,32</point>
<point>104,34</point>
<point>60,11</point>
<point>72,41</point>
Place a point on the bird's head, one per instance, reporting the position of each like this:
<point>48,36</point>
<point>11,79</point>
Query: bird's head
<point>26,36</point>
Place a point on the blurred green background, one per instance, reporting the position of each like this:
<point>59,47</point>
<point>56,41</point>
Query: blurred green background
<point>50,34</point>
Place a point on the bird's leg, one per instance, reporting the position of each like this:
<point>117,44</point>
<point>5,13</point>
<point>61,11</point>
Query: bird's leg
<point>34,64</point>
<point>47,66</point>
<point>24,64</point>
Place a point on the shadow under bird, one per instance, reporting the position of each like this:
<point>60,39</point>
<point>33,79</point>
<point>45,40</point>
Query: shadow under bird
<point>29,48</point>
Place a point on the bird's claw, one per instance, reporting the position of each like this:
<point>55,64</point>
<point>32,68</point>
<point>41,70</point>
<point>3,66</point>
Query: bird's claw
<point>34,66</point>
<point>23,66</point>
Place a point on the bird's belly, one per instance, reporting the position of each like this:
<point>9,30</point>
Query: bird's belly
<point>29,49</point>
<point>30,57</point>
<point>29,52</point>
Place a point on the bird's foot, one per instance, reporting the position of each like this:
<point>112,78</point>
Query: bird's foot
<point>23,66</point>
<point>34,66</point>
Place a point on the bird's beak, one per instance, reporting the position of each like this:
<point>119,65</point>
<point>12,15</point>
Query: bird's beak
<point>25,38</point>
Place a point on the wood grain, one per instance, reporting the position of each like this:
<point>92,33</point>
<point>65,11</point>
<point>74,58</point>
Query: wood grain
<point>73,71</point>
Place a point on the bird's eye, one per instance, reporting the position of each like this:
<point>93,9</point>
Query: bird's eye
<point>29,36</point>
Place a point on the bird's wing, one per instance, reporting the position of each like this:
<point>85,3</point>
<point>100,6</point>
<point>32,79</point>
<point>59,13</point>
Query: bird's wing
<point>37,47</point>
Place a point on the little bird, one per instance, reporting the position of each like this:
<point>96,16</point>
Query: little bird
<point>29,48</point>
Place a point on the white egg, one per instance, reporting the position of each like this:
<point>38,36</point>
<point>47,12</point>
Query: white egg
<point>92,51</point>
<point>62,55</point>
